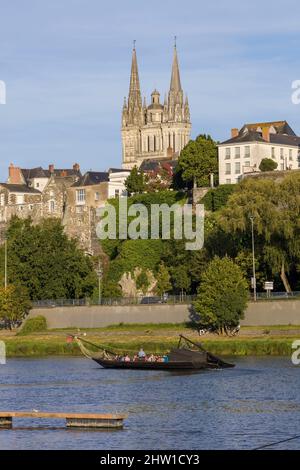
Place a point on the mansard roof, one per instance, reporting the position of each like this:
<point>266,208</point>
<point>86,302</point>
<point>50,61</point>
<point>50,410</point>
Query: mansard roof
<point>91,178</point>
<point>280,133</point>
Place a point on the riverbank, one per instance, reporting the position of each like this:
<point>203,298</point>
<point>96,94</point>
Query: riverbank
<point>259,341</point>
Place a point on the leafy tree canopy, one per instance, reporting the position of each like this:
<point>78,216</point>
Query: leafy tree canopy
<point>198,160</point>
<point>222,295</point>
<point>42,259</point>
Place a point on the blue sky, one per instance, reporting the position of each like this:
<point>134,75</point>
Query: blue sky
<point>66,65</point>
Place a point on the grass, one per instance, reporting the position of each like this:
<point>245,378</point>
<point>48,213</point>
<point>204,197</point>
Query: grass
<point>154,338</point>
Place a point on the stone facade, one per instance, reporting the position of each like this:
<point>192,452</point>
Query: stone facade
<point>158,130</point>
<point>35,193</point>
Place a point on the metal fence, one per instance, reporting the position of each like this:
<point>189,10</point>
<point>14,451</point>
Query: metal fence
<point>170,299</point>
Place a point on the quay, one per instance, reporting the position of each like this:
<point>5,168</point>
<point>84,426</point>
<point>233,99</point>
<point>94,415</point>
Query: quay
<point>79,420</point>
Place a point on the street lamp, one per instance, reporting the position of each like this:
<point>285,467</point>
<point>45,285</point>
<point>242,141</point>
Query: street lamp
<point>253,258</point>
<point>99,272</point>
<point>5,263</point>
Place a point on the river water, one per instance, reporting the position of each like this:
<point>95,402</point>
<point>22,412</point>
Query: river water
<point>256,403</point>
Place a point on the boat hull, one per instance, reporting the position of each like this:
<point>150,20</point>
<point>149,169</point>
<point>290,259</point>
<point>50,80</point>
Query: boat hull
<point>144,365</point>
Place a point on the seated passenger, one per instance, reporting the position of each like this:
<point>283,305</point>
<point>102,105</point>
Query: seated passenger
<point>151,358</point>
<point>141,354</point>
<point>127,358</point>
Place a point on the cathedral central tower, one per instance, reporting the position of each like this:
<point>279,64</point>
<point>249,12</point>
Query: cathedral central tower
<point>156,131</point>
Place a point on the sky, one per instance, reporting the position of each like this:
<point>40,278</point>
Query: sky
<point>66,66</point>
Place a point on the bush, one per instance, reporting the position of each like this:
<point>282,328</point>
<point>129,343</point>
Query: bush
<point>217,198</point>
<point>34,325</point>
<point>267,164</point>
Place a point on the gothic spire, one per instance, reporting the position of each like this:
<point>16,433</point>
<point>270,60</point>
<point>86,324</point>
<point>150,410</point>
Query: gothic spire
<point>134,97</point>
<point>175,77</point>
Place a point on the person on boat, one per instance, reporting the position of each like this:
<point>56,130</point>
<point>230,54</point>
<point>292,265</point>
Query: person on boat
<point>141,354</point>
<point>127,358</point>
<point>151,358</point>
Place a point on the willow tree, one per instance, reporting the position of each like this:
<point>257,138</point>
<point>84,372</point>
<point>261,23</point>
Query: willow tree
<point>275,208</point>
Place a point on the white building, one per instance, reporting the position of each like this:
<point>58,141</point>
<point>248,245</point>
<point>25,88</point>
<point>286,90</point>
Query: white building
<point>247,147</point>
<point>116,182</point>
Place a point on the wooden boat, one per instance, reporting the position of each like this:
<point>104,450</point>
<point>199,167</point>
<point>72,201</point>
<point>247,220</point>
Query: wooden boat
<point>187,356</point>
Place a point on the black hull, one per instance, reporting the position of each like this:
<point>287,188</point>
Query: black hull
<point>144,365</point>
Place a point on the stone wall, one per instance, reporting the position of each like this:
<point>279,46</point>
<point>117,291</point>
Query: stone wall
<point>280,312</point>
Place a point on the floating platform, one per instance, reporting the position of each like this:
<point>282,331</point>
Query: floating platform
<point>77,420</point>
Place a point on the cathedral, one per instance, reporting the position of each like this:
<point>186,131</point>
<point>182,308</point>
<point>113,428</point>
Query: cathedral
<point>156,131</point>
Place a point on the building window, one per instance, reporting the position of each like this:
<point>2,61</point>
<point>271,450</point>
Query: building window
<point>117,192</point>
<point>282,166</point>
<point>37,185</point>
<point>2,199</point>
<point>273,152</point>
<point>228,181</point>
<point>247,151</point>
<point>228,169</point>
<point>80,196</point>
<point>20,199</point>
<point>97,196</point>
<point>290,154</point>
<point>227,153</point>
<point>51,206</point>
<point>281,154</point>
<point>237,152</point>
<point>237,167</point>
<point>247,163</point>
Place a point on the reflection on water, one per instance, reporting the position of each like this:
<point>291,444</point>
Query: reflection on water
<point>256,403</point>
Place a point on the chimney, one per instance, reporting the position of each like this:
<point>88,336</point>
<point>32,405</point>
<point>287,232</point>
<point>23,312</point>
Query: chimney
<point>76,167</point>
<point>51,168</point>
<point>266,134</point>
<point>234,132</point>
<point>14,175</point>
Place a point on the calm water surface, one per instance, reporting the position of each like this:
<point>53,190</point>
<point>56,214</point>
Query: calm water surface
<point>256,403</point>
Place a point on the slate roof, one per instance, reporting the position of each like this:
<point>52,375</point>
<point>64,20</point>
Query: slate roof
<point>91,178</point>
<point>39,172</point>
<point>20,188</point>
<point>154,164</point>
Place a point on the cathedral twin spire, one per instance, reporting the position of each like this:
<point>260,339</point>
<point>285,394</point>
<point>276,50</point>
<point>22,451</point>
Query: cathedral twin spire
<point>174,109</point>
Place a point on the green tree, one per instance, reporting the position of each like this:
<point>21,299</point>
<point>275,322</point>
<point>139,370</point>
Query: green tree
<point>222,296</point>
<point>198,160</point>
<point>163,280</point>
<point>42,259</point>
<point>181,279</point>
<point>14,305</point>
<point>135,181</point>
<point>267,164</point>
<point>142,281</point>
<point>275,208</point>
